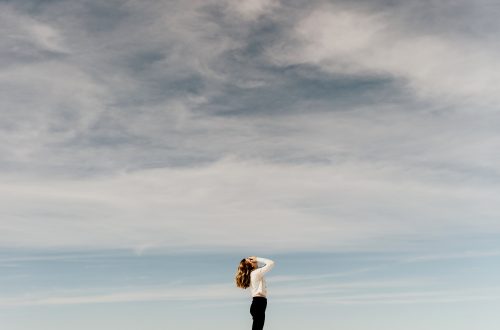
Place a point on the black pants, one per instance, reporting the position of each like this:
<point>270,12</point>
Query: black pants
<point>258,311</point>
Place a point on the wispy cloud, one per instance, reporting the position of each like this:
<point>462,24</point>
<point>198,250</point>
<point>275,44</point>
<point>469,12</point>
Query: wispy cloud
<point>452,296</point>
<point>210,206</point>
<point>462,255</point>
<point>340,293</point>
<point>204,292</point>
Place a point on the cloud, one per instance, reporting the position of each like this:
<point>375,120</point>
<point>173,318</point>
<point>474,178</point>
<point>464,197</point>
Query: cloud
<point>419,297</point>
<point>28,39</point>
<point>71,297</point>
<point>345,293</point>
<point>233,203</point>
<point>356,40</point>
<point>462,255</point>
<point>186,125</point>
<point>252,10</point>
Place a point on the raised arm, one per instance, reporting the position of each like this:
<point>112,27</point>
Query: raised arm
<point>269,264</point>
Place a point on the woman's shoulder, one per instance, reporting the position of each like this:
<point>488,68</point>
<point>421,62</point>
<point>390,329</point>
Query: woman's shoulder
<point>254,272</point>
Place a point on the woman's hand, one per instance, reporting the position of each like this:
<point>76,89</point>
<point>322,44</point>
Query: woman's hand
<point>253,261</point>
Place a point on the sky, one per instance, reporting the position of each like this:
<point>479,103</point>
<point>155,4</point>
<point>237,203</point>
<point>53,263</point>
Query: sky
<point>149,146</point>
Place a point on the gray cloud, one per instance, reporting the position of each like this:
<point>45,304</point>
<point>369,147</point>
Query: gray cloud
<point>435,63</point>
<point>98,90</point>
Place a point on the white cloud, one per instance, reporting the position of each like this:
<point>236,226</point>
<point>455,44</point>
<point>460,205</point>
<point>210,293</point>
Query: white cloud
<point>72,297</point>
<point>353,292</point>
<point>461,255</point>
<point>437,67</point>
<point>409,297</point>
<point>47,37</point>
<point>26,35</point>
<point>238,204</point>
<point>252,9</point>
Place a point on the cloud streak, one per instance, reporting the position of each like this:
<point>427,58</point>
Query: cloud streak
<point>344,293</point>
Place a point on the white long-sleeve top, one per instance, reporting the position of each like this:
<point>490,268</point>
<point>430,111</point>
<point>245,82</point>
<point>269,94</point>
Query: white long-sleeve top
<point>257,281</point>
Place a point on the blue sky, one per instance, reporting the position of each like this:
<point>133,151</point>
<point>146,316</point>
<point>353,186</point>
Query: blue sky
<point>150,145</point>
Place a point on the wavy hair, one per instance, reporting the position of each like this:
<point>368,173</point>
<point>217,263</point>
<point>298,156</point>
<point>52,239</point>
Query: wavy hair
<point>242,277</point>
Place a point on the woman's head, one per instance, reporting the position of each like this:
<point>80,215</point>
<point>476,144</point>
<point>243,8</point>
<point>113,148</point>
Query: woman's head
<point>242,277</point>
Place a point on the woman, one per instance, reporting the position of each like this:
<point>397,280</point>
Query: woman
<point>248,275</point>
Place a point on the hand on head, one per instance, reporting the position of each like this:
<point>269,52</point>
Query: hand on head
<point>252,260</point>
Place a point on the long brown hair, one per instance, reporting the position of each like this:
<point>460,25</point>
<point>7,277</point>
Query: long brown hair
<point>242,277</point>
